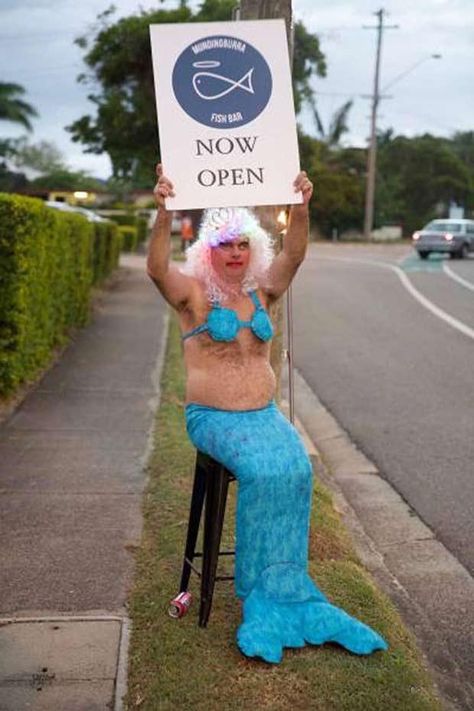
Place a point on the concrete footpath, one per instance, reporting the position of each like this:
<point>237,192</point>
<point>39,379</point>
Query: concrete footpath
<point>72,460</point>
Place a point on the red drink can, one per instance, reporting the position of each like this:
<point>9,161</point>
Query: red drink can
<point>180,605</point>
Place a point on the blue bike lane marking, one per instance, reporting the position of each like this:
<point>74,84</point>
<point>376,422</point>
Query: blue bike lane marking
<point>413,263</point>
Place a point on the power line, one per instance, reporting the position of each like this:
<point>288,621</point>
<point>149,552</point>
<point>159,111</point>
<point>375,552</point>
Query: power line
<point>410,69</point>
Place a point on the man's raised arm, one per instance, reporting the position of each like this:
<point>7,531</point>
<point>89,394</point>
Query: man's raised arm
<point>286,263</point>
<point>175,287</point>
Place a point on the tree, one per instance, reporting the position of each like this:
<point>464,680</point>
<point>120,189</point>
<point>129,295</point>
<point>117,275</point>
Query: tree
<point>415,177</point>
<point>339,178</point>
<point>337,127</point>
<point>65,179</point>
<point>308,60</point>
<point>43,156</point>
<point>47,160</point>
<point>9,181</point>
<point>338,174</point>
<point>12,106</point>
<point>339,200</point>
<point>120,72</point>
<point>417,174</point>
<point>7,147</point>
<point>119,58</point>
<point>462,143</point>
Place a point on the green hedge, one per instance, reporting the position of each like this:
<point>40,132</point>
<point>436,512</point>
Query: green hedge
<point>130,237</point>
<point>48,263</point>
<point>108,244</point>
<point>133,221</point>
<point>142,229</point>
<point>127,218</point>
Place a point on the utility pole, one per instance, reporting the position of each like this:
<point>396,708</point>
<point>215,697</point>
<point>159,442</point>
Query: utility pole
<point>270,10</point>
<point>268,215</point>
<point>372,156</point>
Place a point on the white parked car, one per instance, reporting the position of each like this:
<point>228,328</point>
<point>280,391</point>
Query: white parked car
<point>449,235</point>
<point>65,207</point>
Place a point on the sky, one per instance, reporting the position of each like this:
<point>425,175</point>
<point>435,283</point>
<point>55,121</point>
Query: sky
<point>37,50</point>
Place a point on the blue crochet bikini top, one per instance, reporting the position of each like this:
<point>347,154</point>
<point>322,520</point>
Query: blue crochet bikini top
<point>223,324</point>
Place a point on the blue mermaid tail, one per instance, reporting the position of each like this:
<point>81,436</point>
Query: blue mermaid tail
<point>282,606</point>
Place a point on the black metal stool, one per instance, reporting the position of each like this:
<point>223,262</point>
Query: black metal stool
<point>211,483</point>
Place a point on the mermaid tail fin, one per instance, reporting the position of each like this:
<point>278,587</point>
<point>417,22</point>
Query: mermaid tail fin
<point>286,609</point>
<point>324,622</point>
<point>282,607</point>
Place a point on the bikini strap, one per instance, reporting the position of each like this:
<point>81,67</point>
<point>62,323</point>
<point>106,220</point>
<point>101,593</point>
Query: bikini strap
<point>256,301</point>
<point>199,329</point>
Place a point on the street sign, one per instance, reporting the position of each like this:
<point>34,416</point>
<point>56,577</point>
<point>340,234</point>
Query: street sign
<point>225,113</point>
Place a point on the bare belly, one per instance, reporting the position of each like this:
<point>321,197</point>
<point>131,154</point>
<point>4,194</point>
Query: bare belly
<point>243,386</point>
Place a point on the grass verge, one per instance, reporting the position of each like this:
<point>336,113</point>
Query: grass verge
<point>173,664</point>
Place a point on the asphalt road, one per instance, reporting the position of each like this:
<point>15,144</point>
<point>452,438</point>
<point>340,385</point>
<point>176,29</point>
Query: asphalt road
<point>391,355</point>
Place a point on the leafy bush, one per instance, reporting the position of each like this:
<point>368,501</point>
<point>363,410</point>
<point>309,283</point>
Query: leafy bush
<point>130,237</point>
<point>125,218</point>
<point>48,263</point>
<point>107,247</point>
<point>142,229</point>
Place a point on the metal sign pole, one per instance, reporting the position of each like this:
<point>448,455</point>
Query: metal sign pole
<point>289,325</point>
<point>283,220</point>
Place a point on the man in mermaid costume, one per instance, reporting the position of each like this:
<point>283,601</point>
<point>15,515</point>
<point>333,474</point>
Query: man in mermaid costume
<point>221,295</point>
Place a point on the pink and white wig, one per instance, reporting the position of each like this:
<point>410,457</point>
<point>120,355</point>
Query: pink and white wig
<point>226,224</point>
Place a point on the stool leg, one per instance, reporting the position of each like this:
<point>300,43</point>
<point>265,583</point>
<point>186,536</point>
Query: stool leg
<point>195,512</point>
<point>216,497</point>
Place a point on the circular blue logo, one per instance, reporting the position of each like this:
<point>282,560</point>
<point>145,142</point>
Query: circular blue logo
<point>222,81</point>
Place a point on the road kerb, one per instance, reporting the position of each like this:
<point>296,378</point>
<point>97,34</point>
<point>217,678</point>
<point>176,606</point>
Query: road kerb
<point>380,528</point>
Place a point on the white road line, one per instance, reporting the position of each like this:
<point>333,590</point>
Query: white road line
<point>454,322</point>
<point>443,315</point>
<point>449,272</point>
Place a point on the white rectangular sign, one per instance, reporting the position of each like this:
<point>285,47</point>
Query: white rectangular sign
<point>225,113</point>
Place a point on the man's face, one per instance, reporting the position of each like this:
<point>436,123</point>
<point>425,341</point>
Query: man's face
<point>231,259</point>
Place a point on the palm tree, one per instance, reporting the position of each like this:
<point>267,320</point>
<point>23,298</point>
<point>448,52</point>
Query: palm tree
<point>338,125</point>
<point>12,107</point>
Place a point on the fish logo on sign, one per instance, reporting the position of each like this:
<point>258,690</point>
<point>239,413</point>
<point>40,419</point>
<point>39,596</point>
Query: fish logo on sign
<point>233,95</point>
<point>245,83</point>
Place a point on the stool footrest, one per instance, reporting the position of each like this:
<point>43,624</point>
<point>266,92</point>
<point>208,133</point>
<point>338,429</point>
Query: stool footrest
<point>193,567</point>
<point>199,572</point>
